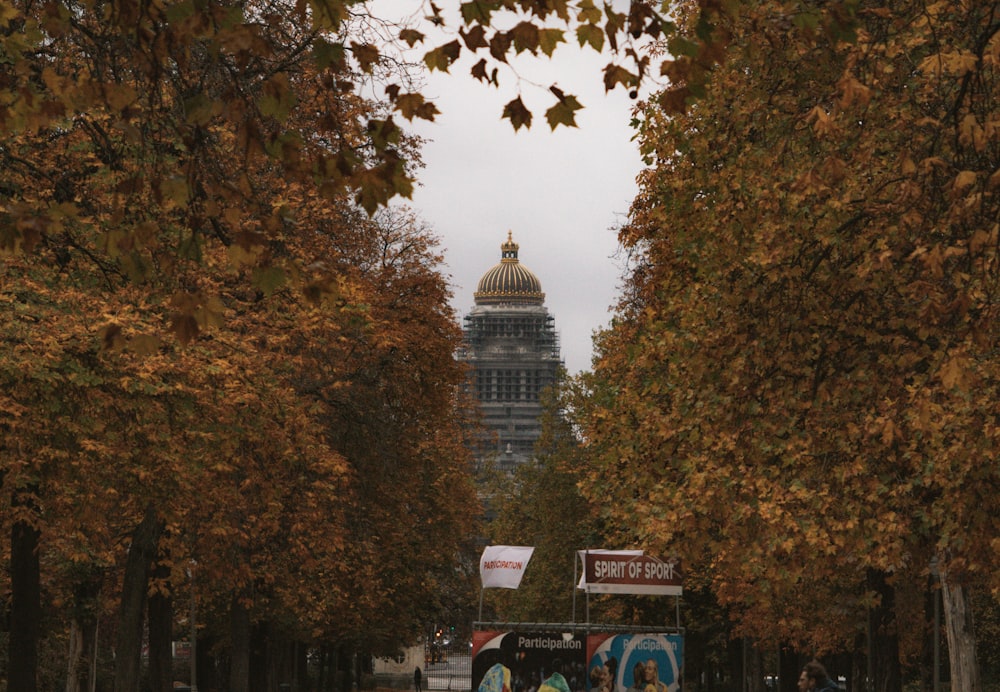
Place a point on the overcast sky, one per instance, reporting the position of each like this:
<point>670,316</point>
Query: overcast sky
<point>562,194</point>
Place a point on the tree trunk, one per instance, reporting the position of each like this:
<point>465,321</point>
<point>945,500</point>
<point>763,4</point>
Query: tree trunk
<point>961,638</point>
<point>25,600</point>
<point>239,669</point>
<point>756,672</point>
<point>161,630</point>
<point>301,681</point>
<point>260,654</point>
<point>345,668</point>
<point>74,659</point>
<point>930,654</point>
<point>789,667</point>
<point>325,669</point>
<point>83,628</point>
<point>142,552</point>
<point>883,636</point>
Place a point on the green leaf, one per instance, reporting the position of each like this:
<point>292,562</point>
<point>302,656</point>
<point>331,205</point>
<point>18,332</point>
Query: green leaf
<point>200,109</point>
<point>179,11</point>
<point>277,97</point>
<point>589,34</point>
<point>190,247</point>
<point>175,190</point>
<point>442,57</point>
<point>588,13</point>
<point>477,12</point>
<point>328,15</point>
<point>269,279</point>
<point>415,106</point>
<point>328,54</point>
<point>383,133</point>
<point>563,112</point>
<point>549,40</point>
<point>615,74</point>
<point>678,45</point>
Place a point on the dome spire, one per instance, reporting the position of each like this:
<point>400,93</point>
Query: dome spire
<point>509,282</point>
<point>508,251</point>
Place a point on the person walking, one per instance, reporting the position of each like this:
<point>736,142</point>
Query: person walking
<point>814,679</point>
<point>417,679</point>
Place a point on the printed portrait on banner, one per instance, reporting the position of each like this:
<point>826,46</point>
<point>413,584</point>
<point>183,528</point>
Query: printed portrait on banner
<point>635,662</point>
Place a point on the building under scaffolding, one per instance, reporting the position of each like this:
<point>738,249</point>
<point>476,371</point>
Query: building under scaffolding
<point>512,348</point>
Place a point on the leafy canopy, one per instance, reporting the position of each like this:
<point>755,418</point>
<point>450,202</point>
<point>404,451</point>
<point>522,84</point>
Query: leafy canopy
<point>799,385</point>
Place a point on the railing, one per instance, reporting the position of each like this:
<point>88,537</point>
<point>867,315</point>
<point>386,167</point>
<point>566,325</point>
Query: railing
<point>454,673</point>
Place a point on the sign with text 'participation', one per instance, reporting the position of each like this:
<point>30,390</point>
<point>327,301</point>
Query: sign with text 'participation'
<point>505,661</point>
<point>635,662</point>
<point>502,566</point>
<point>625,572</point>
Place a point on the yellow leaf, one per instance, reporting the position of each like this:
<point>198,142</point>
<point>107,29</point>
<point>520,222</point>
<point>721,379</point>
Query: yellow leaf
<point>964,180</point>
<point>7,13</point>
<point>953,372</point>
<point>822,122</point>
<point>144,344</point>
<point>175,191</point>
<point>853,91</point>
<point>906,165</point>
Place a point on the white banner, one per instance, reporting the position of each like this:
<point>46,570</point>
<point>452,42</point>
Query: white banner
<point>502,566</point>
<point>629,571</point>
<point>582,554</point>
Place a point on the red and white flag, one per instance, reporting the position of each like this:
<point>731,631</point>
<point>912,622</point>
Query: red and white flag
<point>502,566</point>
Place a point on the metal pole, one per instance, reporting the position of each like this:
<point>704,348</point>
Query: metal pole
<point>573,617</point>
<point>937,641</point>
<point>746,677</point>
<point>93,660</point>
<point>194,637</point>
<point>937,625</point>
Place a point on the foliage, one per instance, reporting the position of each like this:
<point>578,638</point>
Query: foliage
<point>244,438</point>
<point>541,506</point>
<point>800,383</point>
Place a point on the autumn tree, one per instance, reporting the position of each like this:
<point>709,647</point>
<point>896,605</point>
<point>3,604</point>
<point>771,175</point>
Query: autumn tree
<point>540,505</point>
<point>797,391</point>
<point>388,392</point>
<point>149,195</point>
<point>237,452</point>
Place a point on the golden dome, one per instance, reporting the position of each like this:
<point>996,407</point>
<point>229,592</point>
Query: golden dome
<point>509,282</point>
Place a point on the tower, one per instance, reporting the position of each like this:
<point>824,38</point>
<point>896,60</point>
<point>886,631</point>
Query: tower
<point>513,351</point>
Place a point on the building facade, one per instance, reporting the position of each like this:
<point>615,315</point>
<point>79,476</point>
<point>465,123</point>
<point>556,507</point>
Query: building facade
<point>512,348</point>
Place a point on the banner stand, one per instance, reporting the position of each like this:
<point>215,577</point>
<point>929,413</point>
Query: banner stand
<point>575,627</point>
<point>575,657</point>
<point>505,654</point>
